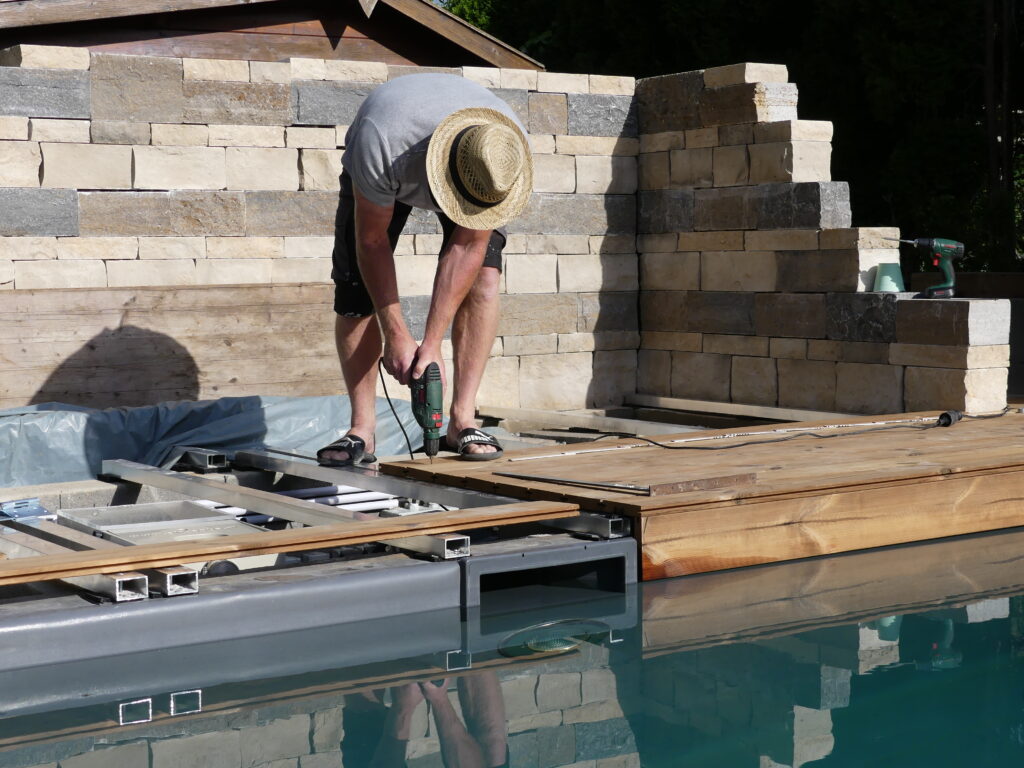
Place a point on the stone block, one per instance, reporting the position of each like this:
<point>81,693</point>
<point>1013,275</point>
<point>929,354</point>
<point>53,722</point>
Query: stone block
<point>548,113</point>
<point>613,84</point>
<point>261,168</point>
<point>862,317</point>
<point>404,246</point>
<point>581,273</point>
<point>308,69</point>
<point>809,384</point>
<point>180,135</point>
<point>665,243</point>
<point>724,344</point>
<point>321,169</point>
<point>747,72</point>
<point>664,310</point>
<point>531,273</point>
<point>157,214</point>
<point>654,170</point>
<point>955,322</point>
<point>731,135</point>
<point>732,167</point>
<point>13,128</point>
<point>432,244</point>
<point>6,274</point>
<point>218,749</point>
<point>712,241</point>
<point>662,142</point>
<point>701,376</point>
<point>670,271</point>
<point>793,130</point>
<point>748,103</point>
<point>60,274</point>
<point>754,381</point>
<point>311,138</point>
<point>669,102</point>
<point>554,173</point>
<point>802,315</point>
<point>98,248</point>
<point>596,145</point>
<point>606,175</point>
<point>806,205</point>
<point>179,167</point>
<point>541,344</point>
<point>665,210</point>
<point>518,78</point>
<point>54,129</point>
<point>119,132</point>
<point>849,271</point>
<point>738,271</point>
<point>19,164</point>
<point>270,71</point>
<point>556,747</point>
<point>790,161</point>
<point>607,311</point>
<point>170,272</point>
<point>488,77</point>
<point>794,349</point>
<point>974,391</point>
<point>87,166</point>
<point>612,243</point>
<point>723,208</point>
<point>226,271</point>
<point>321,760</point>
<point>28,248</point>
<point>245,247</point>
<point>313,270</point>
<point>215,102</point>
<point>356,71</point>
<point>682,342</point>
<point>866,388</point>
<point>421,222</point>
<point>558,690</point>
<point>37,212</point>
<point>848,351</point>
<point>231,70</point>
<point>541,143</point>
<point>721,312</point>
<point>781,240</point>
<point>137,88</point>
<point>518,99</point>
<point>701,137</point>
<point>577,215</point>
<point>401,70</point>
<point>605,340</point>
<point>601,115</point>
<point>44,57</point>
<point>939,355</point>
<point>544,244</point>
<point>246,136</point>
<point>134,755</point>
<point>692,167</point>
<point>415,275</point>
<point>607,742</point>
<point>555,382</point>
<point>560,82</point>
<point>303,214</point>
<point>862,237</point>
<point>524,314</point>
<point>44,93</point>
<point>172,247</point>
<point>654,372</point>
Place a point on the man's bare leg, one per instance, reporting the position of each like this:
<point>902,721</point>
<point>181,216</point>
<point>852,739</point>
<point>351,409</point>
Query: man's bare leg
<point>473,332</point>
<point>359,346</point>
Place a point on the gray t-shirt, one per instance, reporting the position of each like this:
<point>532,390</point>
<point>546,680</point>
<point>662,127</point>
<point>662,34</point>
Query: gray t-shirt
<point>386,145</point>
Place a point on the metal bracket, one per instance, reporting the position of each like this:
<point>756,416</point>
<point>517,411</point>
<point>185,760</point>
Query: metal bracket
<point>20,508</point>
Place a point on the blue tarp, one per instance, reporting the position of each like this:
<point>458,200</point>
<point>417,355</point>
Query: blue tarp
<point>53,442</point>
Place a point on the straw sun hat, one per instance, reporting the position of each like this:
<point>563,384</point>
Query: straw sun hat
<point>479,168</point>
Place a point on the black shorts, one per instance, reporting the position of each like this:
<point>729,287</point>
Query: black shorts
<point>351,298</point>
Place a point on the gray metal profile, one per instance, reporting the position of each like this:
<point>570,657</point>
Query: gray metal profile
<point>601,526</point>
<point>444,546</point>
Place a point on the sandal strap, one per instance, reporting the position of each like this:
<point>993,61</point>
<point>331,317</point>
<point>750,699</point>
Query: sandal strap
<point>473,435</point>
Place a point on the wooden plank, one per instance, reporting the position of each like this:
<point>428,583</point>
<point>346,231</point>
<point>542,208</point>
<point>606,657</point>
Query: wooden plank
<point>293,540</point>
<point>26,13</point>
<point>734,409</point>
<point>583,421</point>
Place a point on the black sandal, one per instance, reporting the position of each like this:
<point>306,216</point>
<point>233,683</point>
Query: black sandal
<point>474,436</point>
<point>354,445</point>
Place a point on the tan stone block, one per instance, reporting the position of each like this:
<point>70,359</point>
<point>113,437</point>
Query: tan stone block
<point>172,247</point>
<point>539,344</point>
<point>311,138</point>
<point>488,77</point>
<point>838,271</point>
<point>860,237</point>
<point>123,274</point>
<point>793,161</point>
<point>28,248</point>
<point>342,133</point>
<point>357,71</point>
<point>941,356</point>
<point>229,70</point>
<point>416,275</point>
<point>179,168</point>
<point>673,271</point>
<point>731,166</point>
<point>233,271</point>
<point>321,169</point>
<point>793,130</point>
<point>170,134</point>
<point>665,243</point>
<point>781,240</point>
<point>246,136</point>
<point>616,85</point>
<point>701,376</point>
<point>431,244</point>
<point>98,248</point>
<point>555,382</point>
<point>300,270</point>
<point>19,164</point>
<point>749,346</point>
<point>519,78</point>
<point>794,349</point>
<point>308,69</point>
<point>270,71</point>
<point>45,57</point>
<point>747,72</point>
<point>13,128</point>
<point>533,722</point>
<point>654,170</point>
<point>631,760</point>
<point>692,167</point>
<point>555,244</point>
<point>701,137</point>
<point>60,274</point>
<point>710,241</point>
<point>244,248</point>
<point>670,340</point>
<point>577,342</point>
<point>615,376</point>
<point>754,381</point>
<point>405,246</point>
<point>542,143</point>
<point>738,271</point>
<point>258,168</point>
<point>596,145</point>
<point>848,351</point>
<point>6,274</point>
<point>52,129</point>
<point>554,173</point>
<point>662,142</point>
<point>87,166</point>
<point>865,388</point>
<point>741,133</point>
<point>606,175</point>
<point>973,391</point>
<point>579,273</point>
<point>500,385</point>
<point>612,244</point>
<point>119,132</point>
<point>809,384</point>
<point>308,247</point>
<point>560,82</point>
<point>531,273</point>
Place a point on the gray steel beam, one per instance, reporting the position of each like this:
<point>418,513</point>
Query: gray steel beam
<point>601,526</point>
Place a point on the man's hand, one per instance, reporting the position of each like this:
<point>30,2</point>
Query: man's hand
<point>426,355</point>
<point>400,352</point>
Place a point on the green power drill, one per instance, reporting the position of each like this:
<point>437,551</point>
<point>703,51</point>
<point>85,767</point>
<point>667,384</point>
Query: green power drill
<point>943,252</point>
<point>428,407</point>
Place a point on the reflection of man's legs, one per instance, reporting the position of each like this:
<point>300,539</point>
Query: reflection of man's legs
<point>390,751</point>
<point>483,708</point>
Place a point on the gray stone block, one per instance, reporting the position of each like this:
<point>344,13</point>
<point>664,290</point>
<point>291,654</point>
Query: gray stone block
<point>210,750</point>
<point>119,132</point>
<point>277,740</point>
<point>754,381</point>
<point>159,214</point>
<point>593,114</point>
<point>522,750</point>
<point>552,214</point>
<point>614,374</point>
<point>807,384</point>
<point>654,372</point>
<point>136,88</point>
<point>422,222</point>
<point>663,310</point>
<point>727,208</point>
<point>955,322</point>
<point>866,388</point>
<point>44,92</point>
<point>328,729</point>
<point>861,316</point>
<point>121,756</point>
<point>208,101</point>
<point>608,312</point>
<point>518,99</point>
<point>744,102</point>
<point>799,315</point>
<point>415,310</point>
<point>805,205</point>
<point>327,103</point>
<point>556,747</point>
<point>525,314</point>
<point>720,312</point>
<point>669,102</point>
<point>290,214</point>
<point>26,212</point>
<point>666,210</point>
<point>609,738</point>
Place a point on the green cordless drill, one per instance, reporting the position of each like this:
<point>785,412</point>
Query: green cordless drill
<point>942,252</point>
<point>428,407</point>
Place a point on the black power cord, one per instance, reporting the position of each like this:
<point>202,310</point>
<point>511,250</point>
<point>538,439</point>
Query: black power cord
<point>401,426</point>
